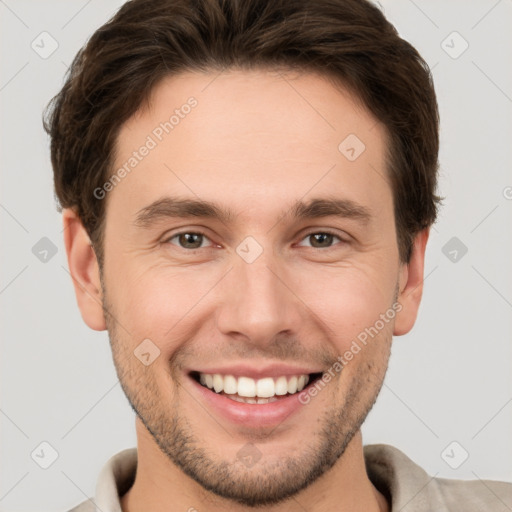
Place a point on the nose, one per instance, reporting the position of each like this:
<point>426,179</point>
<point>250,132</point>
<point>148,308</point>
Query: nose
<point>258,302</point>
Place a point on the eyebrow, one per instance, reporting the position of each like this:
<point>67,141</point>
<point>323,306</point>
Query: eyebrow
<point>175,207</point>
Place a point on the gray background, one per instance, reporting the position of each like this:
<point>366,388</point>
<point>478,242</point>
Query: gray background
<point>449,380</point>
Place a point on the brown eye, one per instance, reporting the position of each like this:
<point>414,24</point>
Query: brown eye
<point>188,240</point>
<point>321,239</point>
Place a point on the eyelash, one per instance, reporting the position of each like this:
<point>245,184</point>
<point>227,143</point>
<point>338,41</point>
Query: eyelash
<point>322,232</point>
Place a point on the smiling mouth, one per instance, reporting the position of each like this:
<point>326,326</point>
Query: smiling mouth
<point>255,391</point>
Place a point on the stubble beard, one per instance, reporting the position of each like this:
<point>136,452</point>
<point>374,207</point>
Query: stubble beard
<point>268,482</point>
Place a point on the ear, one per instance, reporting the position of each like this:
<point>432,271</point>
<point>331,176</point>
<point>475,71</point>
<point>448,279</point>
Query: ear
<point>84,270</point>
<point>410,284</point>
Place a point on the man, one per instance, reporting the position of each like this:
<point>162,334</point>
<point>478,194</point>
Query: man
<point>247,191</point>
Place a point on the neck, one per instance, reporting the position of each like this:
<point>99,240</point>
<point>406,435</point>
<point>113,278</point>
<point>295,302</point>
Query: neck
<point>159,483</point>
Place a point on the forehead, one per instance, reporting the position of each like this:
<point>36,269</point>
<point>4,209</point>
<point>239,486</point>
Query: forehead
<point>240,136</point>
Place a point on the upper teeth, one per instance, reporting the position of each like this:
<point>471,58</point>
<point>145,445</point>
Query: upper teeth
<point>247,387</point>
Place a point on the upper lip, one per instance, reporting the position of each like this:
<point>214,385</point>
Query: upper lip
<point>258,372</point>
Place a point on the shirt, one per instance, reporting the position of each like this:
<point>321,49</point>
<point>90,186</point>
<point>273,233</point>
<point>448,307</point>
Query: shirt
<point>406,486</point>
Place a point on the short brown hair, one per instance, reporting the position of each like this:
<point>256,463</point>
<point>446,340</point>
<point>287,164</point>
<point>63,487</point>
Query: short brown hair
<point>113,75</point>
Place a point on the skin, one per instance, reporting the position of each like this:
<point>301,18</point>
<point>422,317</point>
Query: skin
<point>254,145</point>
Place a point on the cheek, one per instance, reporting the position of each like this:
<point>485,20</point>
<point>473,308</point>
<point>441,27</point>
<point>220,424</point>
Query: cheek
<point>351,300</point>
<point>159,303</point>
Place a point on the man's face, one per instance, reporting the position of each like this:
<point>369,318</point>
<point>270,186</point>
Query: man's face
<point>262,294</point>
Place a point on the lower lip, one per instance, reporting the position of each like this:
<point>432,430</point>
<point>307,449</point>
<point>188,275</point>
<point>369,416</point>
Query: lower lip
<point>251,415</point>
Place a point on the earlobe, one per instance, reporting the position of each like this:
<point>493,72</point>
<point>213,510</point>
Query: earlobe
<point>84,270</point>
<point>411,285</point>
